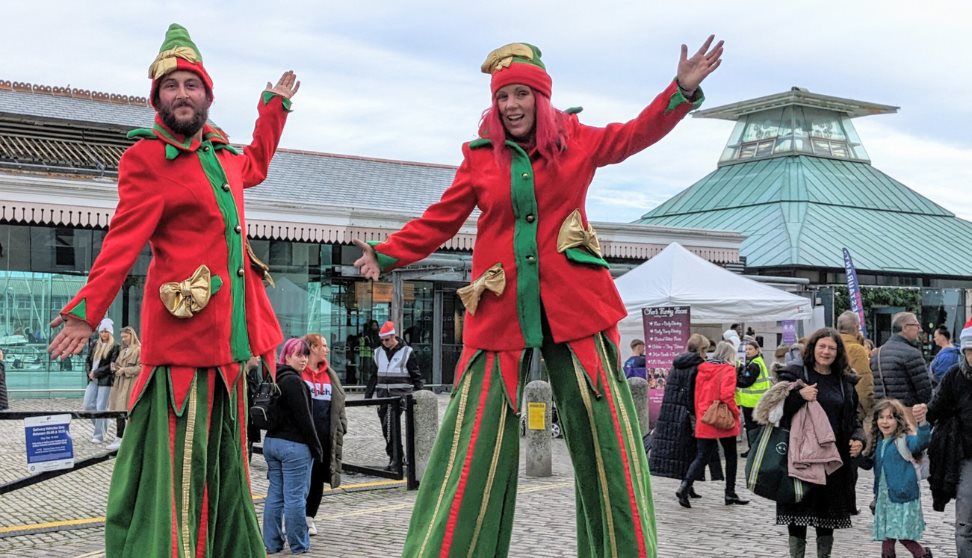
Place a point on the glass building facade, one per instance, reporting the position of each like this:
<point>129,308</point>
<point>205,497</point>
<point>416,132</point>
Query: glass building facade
<point>317,290</point>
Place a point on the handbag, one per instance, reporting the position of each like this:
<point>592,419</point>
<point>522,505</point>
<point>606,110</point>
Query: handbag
<point>767,471</point>
<point>719,416</point>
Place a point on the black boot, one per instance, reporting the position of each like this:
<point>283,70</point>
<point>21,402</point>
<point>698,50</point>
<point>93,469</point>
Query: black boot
<point>692,493</point>
<point>733,498</point>
<point>682,494</point>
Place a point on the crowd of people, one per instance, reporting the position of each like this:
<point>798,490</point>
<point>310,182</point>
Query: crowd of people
<point>845,406</point>
<point>208,322</point>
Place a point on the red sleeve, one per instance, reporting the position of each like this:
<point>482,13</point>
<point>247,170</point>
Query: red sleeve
<point>269,126</point>
<point>440,222</point>
<point>727,386</point>
<point>138,212</point>
<point>616,142</point>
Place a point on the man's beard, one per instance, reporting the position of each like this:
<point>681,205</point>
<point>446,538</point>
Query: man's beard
<point>188,127</point>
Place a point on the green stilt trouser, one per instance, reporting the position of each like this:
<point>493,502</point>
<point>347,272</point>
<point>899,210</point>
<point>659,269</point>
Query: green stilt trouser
<point>466,501</point>
<point>180,487</point>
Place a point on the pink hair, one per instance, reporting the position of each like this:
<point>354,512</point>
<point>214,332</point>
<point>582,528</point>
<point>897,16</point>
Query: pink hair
<point>549,130</point>
<point>293,346</point>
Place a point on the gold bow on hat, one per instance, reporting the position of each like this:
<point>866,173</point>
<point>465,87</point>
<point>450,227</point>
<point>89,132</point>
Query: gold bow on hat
<point>185,298</point>
<point>494,279</point>
<point>503,57</point>
<point>165,62</point>
<point>573,234</point>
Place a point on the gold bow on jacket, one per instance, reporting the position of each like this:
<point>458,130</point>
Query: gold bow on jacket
<point>573,234</point>
<point>165,62</point>
<point>493,280</point>
<point>185,298</point>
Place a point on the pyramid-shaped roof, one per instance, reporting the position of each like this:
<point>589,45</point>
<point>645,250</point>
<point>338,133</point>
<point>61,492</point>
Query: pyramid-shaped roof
<point>799,210</point>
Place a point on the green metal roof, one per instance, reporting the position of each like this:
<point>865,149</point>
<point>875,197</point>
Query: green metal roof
<point>800,211</point>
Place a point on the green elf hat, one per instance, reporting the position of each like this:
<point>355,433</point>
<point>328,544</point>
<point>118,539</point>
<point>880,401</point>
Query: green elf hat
<point>517,63</point>
<point>177,52</point>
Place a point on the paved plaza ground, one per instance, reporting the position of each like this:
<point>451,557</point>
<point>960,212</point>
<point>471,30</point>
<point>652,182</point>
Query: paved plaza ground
<point>369,517</point>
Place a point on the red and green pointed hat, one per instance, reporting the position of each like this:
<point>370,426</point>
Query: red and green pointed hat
<point>517,63</point>
<point>177,52</point>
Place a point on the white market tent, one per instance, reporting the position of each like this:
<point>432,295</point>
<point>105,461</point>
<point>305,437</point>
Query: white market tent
<point>717,296</point>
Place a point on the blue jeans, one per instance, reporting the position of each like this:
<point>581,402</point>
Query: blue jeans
<point>96,399</point>
<point>288,469</point>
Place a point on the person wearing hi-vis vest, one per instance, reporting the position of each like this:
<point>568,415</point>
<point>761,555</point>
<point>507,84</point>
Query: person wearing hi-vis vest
<point>752,382</point>
<point>397,374</point>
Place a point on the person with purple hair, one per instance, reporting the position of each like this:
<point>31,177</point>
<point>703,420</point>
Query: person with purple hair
<point>290,448</point>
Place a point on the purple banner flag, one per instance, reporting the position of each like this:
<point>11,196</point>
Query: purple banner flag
<point>854,291</point>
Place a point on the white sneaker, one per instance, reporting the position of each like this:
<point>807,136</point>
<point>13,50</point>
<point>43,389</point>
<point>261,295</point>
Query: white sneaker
<point>311,527</point>
<point>97,439</point>
<point>114,445</point>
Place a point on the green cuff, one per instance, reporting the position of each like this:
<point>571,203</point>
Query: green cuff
<point>678,98</point>
<point>80,310</point>
<point>268,95</point>
<point>384,262</point>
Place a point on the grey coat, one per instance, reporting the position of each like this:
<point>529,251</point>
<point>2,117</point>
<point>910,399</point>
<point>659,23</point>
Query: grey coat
<point>900,373</point>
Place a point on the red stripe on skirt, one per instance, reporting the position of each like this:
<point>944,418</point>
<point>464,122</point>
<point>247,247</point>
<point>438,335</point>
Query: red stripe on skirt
<point>172,437</point>
<point>204,512</point>
<point>632,500</point>
<point>464,476</point>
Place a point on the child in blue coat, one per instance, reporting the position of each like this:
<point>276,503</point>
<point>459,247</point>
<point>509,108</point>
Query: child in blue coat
<point>897,497</point>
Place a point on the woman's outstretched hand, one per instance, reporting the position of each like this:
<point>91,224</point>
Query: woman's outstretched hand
<point>691,71</point>
<point>367,264</point>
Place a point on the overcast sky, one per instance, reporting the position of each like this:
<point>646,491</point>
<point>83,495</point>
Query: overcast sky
<point>401,80</point>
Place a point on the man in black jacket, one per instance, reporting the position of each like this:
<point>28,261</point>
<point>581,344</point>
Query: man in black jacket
<point>899,369</point>
<point>397,375</point>
<point>951,446</point>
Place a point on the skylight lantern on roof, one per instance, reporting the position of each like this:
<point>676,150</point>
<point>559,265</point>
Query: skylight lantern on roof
<point>793,123</point>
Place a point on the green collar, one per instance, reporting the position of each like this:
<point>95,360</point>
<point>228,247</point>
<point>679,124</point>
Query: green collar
<point>175,144</point>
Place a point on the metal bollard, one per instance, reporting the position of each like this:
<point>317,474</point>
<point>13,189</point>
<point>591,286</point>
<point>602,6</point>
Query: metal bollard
<point>426,427</point>
<point>538,396</point>
<point>639,392</point>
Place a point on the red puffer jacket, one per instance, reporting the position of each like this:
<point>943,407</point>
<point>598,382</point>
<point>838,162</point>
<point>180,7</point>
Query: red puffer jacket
<point>716,381</point>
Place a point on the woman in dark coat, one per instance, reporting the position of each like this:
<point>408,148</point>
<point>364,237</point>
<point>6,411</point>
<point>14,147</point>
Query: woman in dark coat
<point>673,437</point>
<point>830,382</point>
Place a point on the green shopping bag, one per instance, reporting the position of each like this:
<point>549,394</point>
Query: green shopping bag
<point>767,470</point>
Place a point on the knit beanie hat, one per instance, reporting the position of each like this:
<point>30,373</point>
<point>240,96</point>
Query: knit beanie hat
<point>177,52</point>
<point>387,329</point>
<point>965,338</point>
<point>517,63</point>
<point>106,325</point>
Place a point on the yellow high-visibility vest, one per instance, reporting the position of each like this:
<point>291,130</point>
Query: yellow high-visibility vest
<point>749,396</point>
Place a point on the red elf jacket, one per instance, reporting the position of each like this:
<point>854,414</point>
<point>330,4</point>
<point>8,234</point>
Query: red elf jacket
<point>185,198</point>
<point>534,247</point>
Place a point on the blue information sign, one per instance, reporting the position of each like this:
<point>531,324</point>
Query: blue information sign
<point>49,444</point>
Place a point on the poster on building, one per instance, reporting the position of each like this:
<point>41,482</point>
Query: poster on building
<point>667,329</point>
<point>49,444</point>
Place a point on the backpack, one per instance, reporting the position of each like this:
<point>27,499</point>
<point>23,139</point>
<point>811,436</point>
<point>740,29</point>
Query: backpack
<point>264,400</point>
<point>920,463</point>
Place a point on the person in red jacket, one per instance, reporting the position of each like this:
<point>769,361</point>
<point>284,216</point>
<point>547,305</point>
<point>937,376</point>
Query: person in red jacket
<point>181,481</point>
<point>541,283</point>
<point>715,382</point>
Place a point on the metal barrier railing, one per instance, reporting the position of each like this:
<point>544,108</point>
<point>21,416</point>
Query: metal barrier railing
<point>80,464</point>
<point>403,467</point>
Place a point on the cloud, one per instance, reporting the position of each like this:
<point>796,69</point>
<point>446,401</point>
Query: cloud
<point>401,80</point>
